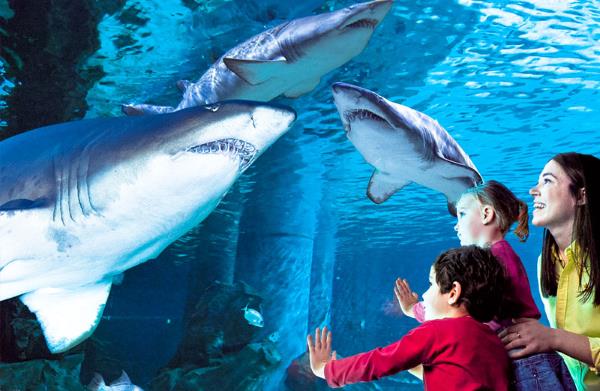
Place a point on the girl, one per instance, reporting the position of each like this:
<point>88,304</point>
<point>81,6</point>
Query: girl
<point>485,214</point>
<point>566,203</point>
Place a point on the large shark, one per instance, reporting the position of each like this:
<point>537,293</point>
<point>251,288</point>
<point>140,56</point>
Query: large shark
<point>83,201</point>
<point>403,145</point>
<point>289,59</point>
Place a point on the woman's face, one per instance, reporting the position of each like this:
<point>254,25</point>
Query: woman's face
<point>553,204</point>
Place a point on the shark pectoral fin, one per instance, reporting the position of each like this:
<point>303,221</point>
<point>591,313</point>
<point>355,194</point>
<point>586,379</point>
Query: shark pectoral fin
<point>381,187</point>
<point>301,89</point>
<point>451,208</point>
<point>450,169</point>
<point>255,71</point>
<point>183,85</point>
<point>143,109</point>
<point>68,316</point>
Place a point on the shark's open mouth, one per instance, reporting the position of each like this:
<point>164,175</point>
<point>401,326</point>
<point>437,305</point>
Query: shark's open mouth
<point>363,23</point>
<point>237,149</point>
<point>361,114</point>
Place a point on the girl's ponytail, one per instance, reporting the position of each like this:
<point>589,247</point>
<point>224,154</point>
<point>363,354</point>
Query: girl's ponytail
<point>522,229</point>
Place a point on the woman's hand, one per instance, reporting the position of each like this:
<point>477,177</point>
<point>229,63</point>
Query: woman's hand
<point>406,297</point>
<point>529,336</point>
<point>320,351</point>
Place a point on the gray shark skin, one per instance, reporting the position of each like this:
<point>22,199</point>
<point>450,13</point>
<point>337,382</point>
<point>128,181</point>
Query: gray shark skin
<point>289,59</point>
<point>403,145</point>
<point>83,201</point>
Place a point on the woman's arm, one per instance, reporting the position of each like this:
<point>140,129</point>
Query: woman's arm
<point>530,336</point>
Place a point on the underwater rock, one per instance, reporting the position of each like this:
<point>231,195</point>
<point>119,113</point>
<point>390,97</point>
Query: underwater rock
<point>216,326</point>
<point>217,347</point>
<point>299,377</point>
<point>46,375</point>
<point>45,47</point>
<point>244,370</point>
<point>21,336</point>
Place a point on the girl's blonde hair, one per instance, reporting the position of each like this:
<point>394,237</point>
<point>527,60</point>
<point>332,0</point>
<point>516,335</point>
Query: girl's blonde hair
<point>507,206</point>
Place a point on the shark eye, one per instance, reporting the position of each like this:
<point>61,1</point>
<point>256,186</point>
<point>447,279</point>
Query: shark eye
<point>213,108</point>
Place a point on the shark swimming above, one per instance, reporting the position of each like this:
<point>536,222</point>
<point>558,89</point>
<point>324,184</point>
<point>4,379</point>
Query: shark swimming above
<point>403,145</point>
<point>288,59</point>
<point>83,201</point>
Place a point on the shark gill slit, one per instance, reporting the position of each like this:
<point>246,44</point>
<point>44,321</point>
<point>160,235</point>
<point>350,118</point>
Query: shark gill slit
<point>56,192</point>
<point>71,184</point>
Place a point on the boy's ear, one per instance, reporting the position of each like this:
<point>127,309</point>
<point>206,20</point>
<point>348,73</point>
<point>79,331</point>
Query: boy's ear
<point>487,214</point>
<point>455,292</point>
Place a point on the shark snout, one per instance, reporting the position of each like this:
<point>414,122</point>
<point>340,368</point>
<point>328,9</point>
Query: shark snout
<point>270,122</point>
<point>367,14</point>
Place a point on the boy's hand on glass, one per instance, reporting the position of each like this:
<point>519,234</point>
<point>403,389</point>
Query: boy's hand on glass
<point>406,297</point>
<point>320,351</point>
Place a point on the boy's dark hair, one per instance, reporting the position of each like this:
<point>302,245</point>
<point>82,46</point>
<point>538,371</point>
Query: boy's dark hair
<point>481,278</point>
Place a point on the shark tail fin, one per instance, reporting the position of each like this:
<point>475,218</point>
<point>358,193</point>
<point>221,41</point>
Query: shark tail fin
<point>68,316</point>
<point>143,109</point>
<point>381,187</point>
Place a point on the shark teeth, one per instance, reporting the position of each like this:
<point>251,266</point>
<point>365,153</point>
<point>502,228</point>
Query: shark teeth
<point>235,148</point>
<point>363,23</point>
<point>360,114</point>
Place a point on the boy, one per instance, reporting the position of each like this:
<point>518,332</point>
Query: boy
<point>457,351</point>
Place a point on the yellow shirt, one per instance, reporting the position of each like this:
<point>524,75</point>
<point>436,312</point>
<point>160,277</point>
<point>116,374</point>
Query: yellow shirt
<point>567,312</point>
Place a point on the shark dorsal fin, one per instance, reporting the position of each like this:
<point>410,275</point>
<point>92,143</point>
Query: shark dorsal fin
<point>255,71</point>
<point>68,316</point>
<point>381,187</point>
<point>96,383</point>
<point>183,85</point>
<point>122,380</point>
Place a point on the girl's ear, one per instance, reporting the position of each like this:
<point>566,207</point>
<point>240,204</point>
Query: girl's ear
<point>487,214</point>
<point>454,293</point>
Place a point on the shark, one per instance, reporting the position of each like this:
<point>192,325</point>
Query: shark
<point>288,59</point>
<point>83,201</point>
<point>403,145</point>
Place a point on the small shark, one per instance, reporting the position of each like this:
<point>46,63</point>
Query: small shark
<point>289,59</point>
<point>83,201</point>
<point>403,145</point>
<point>123,383</point>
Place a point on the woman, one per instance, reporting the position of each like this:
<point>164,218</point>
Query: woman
<point>566,203</point>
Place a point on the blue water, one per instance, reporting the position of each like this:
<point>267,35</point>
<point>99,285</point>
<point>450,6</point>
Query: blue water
<point>513,82</point>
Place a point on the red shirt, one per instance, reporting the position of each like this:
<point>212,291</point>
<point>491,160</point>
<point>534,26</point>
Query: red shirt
<point>459,354</point>
<point>517,295</point>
